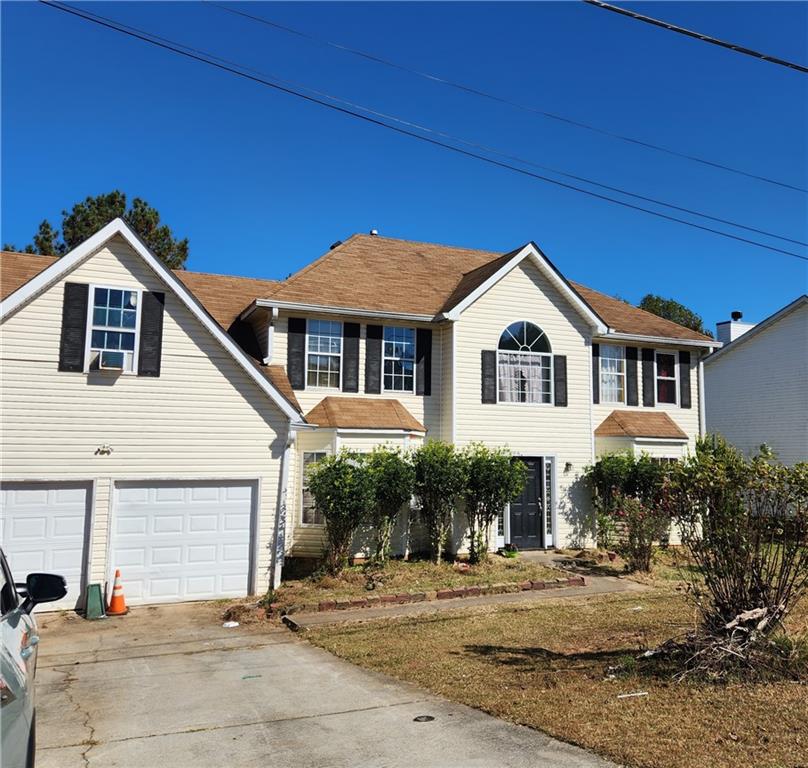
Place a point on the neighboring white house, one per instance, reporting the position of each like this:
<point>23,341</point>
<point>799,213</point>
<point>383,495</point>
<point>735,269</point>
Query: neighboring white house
<point>757,385</point>
<point>160,422</point>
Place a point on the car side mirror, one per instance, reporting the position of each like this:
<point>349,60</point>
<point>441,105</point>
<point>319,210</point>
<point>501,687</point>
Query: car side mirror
<point>43,588</point>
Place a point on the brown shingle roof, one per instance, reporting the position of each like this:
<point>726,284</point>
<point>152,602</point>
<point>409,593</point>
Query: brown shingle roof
<point>225,296</point>
<point>625,318</point>
<point>277,375</point>
<point>376,274</point>
<point>386,275</point>
<point>640,424</point>
<point>16,269</point>
<point>363,413</point>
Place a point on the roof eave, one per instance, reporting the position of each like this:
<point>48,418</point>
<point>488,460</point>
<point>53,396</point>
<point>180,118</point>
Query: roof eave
<point>645,339</point>
<point>334,310</point>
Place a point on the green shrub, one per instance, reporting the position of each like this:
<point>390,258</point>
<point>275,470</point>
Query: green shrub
<point>342,488</point>
<point>439,483</point>
<point>491,480</point>
<point>393,476</point>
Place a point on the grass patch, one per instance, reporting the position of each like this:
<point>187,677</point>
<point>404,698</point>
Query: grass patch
<point>411,576</point>
<point>560,665</point>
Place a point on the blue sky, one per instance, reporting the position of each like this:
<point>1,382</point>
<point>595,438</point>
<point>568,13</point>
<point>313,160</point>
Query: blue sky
<point>263,183</point>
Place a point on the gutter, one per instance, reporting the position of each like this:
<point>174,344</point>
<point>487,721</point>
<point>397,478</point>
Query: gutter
<point>707,343</point>
<point>332,310</point>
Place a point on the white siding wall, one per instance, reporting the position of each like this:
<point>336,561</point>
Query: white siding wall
<point>758,392</point>
<point>686,418</point>
<point>203,417</point>
<point>531,430</point>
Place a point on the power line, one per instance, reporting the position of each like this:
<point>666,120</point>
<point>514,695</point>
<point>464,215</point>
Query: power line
<point>502,100</point>
<point>211,61</point>
<point>698,36</point>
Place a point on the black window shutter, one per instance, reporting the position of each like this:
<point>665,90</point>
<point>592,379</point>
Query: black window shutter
<point>423,361</point>
<point>150,352</point>
<point>684,379</point>
<point>350,357</point>
<point>296,352</point>
<point>596,373</point>
<point>560,379</point>
<point>373,360</point>
<point>648,384</point>
<point>489,376</point>
<point>632,392</point>
<point>74,327</point>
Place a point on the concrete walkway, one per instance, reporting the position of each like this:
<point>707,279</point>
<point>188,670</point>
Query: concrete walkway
<point>171,687</point>
<point>596,585</point>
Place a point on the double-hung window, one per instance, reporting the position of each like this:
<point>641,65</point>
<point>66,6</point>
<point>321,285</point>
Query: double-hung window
<point>114,329</point>
<point>309,514</point>
<point>324,354</point>
<point>666,377</point>
<point>399,359</point>
<point>524,365</point>
<point>612,374</point>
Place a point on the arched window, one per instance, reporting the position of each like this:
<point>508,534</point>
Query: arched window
<point>524,365</point>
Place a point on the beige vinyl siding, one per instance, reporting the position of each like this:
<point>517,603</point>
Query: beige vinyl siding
<point>530,430</point>
<point>425,408</point>
<point>202,418</point>
<point>687,419</point>
<point>757,391</point>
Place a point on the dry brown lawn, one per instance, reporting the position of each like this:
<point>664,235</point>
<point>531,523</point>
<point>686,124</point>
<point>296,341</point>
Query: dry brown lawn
<point>411,576</point>
<point>548,667</point>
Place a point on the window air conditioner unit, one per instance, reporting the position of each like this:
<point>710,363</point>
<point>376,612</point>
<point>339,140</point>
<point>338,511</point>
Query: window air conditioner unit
<point>111,361</point>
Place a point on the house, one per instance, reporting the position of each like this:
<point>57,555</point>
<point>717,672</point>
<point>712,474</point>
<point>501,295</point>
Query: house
<point>757,385</point>
<point>161,422</point>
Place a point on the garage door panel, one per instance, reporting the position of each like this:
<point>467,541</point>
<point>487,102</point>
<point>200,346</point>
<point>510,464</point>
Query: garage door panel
<point>193,540</point>
<point>43,528</point>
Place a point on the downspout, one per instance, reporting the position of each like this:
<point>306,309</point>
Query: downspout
<point>702,403</point>
<point>273,316</point>
<point>279,549</point>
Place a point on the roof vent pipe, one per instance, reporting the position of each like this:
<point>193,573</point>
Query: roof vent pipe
<point>736,315</point>
<point>335,245</point>
<point>374,232</point>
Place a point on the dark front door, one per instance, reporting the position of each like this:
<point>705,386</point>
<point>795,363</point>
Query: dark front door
<point>526,510</point>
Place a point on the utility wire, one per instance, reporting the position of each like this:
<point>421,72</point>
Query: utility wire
<point>502,100</point>
<point>232,69</point>
<point>474,145</point>
<point>698,35</point>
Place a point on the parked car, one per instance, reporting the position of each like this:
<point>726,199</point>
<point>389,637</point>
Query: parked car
<point>18,654</point>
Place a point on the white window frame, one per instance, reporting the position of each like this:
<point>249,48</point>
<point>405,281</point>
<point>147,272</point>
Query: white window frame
<point>88,336</point>
<point>414,358</point>
<point>338,388</point>
<point>535,354</point>
<point>675,379</point>
<point>303,453</point>
<point>622,401</point>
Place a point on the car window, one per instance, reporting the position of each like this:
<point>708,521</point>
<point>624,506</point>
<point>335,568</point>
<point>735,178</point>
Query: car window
<point>8,594</point>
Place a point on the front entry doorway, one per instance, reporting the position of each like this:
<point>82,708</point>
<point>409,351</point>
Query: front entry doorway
<point>530,514</point>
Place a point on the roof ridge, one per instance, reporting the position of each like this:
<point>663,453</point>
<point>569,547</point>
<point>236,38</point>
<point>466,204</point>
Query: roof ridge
<point>427,242</point>
<point>219,274</point>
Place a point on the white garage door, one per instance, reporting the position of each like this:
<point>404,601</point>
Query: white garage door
<point>178,541</point>
<point>42,528</point>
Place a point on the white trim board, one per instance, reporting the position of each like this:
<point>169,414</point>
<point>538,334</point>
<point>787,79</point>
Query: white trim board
<point>118,227</point>
<point>532,251</point>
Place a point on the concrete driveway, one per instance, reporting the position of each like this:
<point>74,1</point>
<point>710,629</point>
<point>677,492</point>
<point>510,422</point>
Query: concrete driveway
<point>171,687</point>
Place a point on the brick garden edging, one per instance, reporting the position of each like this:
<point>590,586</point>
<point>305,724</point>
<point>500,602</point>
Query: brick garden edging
<point>450,593</point>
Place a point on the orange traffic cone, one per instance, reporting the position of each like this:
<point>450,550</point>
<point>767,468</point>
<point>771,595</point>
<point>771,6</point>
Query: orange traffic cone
<point>117,605</point>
